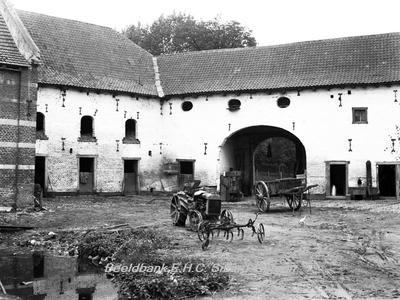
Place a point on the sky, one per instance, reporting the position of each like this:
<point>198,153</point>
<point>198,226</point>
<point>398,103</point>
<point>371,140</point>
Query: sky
<point>272,21</point>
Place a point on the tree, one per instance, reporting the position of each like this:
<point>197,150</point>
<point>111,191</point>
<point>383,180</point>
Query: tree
<point>182,33</point>
<point>276,155</point>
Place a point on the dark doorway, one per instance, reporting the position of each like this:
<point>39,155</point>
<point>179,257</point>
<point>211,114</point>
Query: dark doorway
<point>338,179</point>
<point>86,175</point>
<point>130,176</point>
<point>387,180</point>
<point>40,172</point>
<point>186,172</point>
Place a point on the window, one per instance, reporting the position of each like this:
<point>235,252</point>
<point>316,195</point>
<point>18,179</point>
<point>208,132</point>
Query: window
<point>234,104</point>
<point>130,132</point>
<point>186,167</point>
<point>283,102</point>
<point>87,132</point>
<point>360,115</point>
<point>187,105</point>
<point>40,135</point>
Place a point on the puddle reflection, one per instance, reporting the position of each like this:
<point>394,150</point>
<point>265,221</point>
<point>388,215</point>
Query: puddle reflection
<point>42,276</point>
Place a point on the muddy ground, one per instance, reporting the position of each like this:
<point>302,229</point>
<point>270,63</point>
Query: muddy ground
<point>344,249</point>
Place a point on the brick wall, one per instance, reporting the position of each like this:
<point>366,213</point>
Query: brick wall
<point>18,93</point>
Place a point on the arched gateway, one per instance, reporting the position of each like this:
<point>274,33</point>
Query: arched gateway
<point>237,152</point>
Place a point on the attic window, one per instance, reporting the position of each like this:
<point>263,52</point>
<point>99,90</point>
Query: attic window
<point>87,126</point>
<point>87,132</point>
<point>187,106</point>
<point>283,102</point>
<point>130,132</point>
<point>234,104</point>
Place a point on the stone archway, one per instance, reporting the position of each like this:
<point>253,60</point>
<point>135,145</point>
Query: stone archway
<point>237,152</point>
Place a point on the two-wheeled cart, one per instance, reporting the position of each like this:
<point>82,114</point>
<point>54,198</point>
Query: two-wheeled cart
<point>294,190</point>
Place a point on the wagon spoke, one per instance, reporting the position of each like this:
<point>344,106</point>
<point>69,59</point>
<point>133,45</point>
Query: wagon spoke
<point>262,196</point>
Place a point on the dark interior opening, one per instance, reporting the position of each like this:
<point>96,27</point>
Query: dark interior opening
<point>338,178</point>
<point>38,265</point>
<point>129,166</point>
<point>87,126</point>
<point>39,122</point>
<point>387,180</point>
<point>130,129</point>
<point>40,162</point>
<point>186,167</point>
<point>85,296</point>
<point>86,164</point>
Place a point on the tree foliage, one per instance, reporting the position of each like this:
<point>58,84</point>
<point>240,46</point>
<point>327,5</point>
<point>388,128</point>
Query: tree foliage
<point>182,33</point>
<point>276,155</point>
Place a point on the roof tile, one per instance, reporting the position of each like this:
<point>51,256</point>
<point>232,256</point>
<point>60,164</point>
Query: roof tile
<point>351,60</point>
<point>89,56</point>
<point>9,53</point>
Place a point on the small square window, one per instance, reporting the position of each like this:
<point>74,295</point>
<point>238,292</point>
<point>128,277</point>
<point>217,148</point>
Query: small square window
<point>360,115</point>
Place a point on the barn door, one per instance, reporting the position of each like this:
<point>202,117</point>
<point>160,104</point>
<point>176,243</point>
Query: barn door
<point>388,180</point>
<point>336,179</point>
<point>130,176</point>
<point>86,175</point>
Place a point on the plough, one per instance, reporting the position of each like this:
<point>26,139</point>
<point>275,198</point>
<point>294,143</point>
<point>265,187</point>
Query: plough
<point>226,224</point>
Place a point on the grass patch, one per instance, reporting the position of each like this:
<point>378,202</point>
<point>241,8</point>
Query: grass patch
<point>143,264</point>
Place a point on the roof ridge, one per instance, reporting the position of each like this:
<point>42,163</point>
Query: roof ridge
<point>280,45</point>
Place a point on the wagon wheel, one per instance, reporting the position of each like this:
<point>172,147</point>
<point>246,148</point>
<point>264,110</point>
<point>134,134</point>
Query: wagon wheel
<point>262,196</point>
<point>226,217</point>
<point>195,218</point>
<point>261,233</point>
<point>204,232</point>
<point>294,200</point>
<point>178,211</point>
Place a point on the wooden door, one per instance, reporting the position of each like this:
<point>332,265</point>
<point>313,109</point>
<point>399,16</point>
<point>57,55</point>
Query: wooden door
<point>86,175</point>
<point>130,176</point>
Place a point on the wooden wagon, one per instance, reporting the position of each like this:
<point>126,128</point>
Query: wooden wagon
<point>293,189</point>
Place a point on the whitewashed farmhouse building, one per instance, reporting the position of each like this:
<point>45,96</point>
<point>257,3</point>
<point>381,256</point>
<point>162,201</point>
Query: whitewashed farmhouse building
<point>111,118</point>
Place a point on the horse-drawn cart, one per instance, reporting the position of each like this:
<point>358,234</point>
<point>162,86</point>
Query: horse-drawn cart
<point>294,190</point>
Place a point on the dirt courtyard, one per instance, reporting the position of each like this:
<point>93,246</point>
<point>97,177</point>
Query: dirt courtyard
<point>343,250</point>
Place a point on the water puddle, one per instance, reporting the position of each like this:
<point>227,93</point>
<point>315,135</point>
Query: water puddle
<point>40,275</point>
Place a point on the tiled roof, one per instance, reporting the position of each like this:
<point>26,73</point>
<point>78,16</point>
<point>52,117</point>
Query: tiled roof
<point>9,53</point>
<point>341,61</point>
<point>89,56</point>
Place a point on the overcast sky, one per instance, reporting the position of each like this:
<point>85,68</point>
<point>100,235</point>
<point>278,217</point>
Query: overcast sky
<point>272,21</point>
